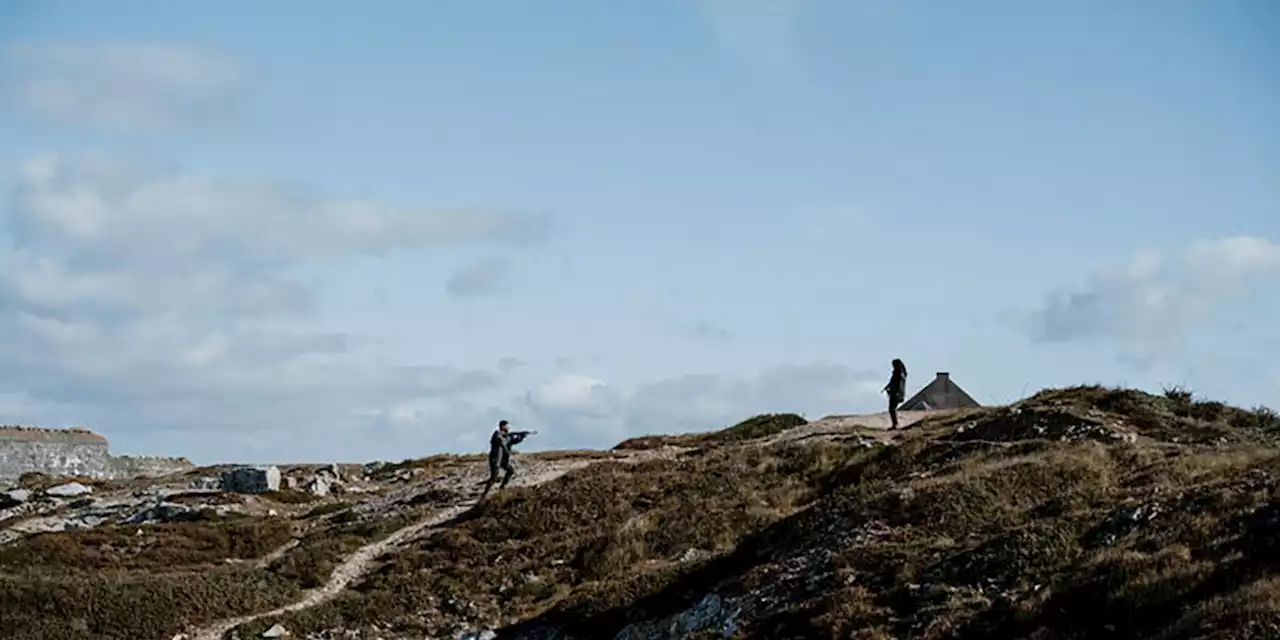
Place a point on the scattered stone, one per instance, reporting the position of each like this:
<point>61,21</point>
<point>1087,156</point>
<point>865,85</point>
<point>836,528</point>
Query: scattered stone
<point>319,485</point>
<point>69,490</point>
<point>693,555</point>
<point>1119,523</point>
<point>292,482</point>
<point>205,483</point>
<point>711,614</point>
<point>251,480</point>
<point>81,503</point>
<point>276,631</point>
<point>13,498</point>
<point>162,512</point>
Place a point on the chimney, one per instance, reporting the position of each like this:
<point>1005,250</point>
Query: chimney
<point>945,379</point>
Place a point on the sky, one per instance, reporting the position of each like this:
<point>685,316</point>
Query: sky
<point>317,230</point>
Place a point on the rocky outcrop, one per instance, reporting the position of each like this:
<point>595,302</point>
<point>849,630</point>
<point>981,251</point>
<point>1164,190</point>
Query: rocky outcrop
<point>251,479</point>
<point>74,452</point>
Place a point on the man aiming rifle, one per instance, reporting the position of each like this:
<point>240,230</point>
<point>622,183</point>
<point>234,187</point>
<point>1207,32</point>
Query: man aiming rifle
<point>500,444</point>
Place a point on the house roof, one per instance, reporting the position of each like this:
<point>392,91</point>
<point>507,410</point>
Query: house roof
<point>941,393</point>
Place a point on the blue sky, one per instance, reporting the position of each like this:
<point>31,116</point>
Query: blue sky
<point>314,231</point>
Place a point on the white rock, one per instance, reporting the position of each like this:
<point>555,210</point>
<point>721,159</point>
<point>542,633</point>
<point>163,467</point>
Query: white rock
<point>69,490</point>
<point>276,631</point>
<point>319,485</point>
<point>14,497</point>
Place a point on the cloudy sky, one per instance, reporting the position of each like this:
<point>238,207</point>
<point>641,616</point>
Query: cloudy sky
<point>319,231</point>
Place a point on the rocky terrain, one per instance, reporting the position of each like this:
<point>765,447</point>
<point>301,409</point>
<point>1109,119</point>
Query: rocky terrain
<point>1076,513</point>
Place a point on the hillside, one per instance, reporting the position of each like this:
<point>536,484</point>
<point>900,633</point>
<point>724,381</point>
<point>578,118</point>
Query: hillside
<point>1076,513</point>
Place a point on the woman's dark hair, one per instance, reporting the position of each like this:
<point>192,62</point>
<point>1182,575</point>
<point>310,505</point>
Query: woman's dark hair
<point>899,367</point>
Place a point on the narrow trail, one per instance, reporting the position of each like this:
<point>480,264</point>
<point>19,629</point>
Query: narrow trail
<point>265,561</point>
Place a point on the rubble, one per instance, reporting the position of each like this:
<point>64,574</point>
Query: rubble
<point>1119,523</point>
<point>319,485</point>
<point>1047,423</point>
<point>712,613</point>
<point>206,483</point>
<point>162,512</point>
<point>694,555</point>
<point>135,509</point>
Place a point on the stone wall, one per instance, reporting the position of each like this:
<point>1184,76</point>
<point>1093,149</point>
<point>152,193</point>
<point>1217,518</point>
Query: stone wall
<point>52,451</point>
<point>125,467</point>
<point>73,452</point>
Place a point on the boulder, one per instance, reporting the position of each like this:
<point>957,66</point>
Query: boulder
<point>319,485</point>
<point>333,470</point>
<point>68,490</point>
<point>251,479</point>
<point>13,498</point>
<point>276,631</point>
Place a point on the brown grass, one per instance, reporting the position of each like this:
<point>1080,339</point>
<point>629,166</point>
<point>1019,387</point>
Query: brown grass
<point>160,547</point>
<point>137,582</point>
<point>755,427</point>
<point>309,564</point>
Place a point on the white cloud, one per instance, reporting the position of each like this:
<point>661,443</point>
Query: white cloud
<point>586,410</point>
<point>1154,300</point>
<point>140,297</point>
<point>575,394</point>
<point>488,277</point>
<point>123,86</point>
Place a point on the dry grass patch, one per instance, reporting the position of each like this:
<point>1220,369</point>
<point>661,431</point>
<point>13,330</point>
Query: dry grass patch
<point>753,428</point>
<point>127,605</point>
<point>137,581</point>
<point>310,563</point>
<point>159,548</point>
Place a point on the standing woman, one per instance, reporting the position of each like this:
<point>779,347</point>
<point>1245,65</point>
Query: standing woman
<point>897,390</point>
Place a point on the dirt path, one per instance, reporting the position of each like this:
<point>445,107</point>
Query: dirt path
<point>874,425</point>
<point>265,561</point>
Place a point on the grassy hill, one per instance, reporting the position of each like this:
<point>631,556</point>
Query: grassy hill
<point>1077,513</point>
